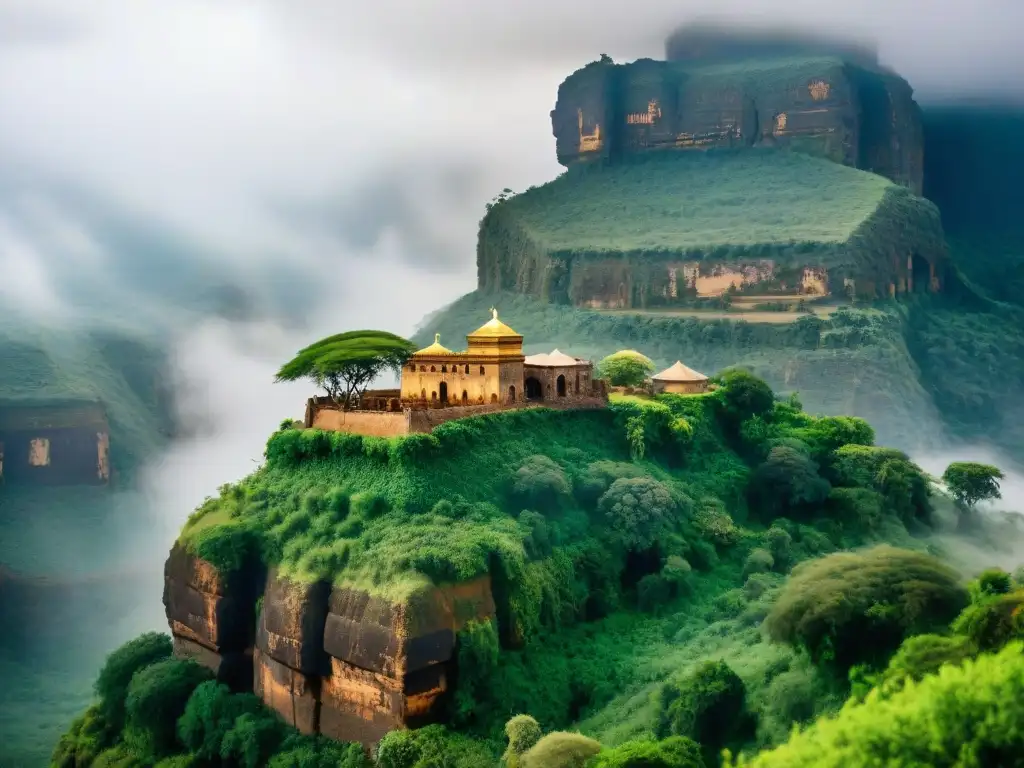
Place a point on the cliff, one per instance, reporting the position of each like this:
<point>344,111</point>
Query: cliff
<point>669,229</point>
<point>857,115</point>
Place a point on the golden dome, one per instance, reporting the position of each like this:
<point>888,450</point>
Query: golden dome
<point>435,348</point>
<point>494,328</point>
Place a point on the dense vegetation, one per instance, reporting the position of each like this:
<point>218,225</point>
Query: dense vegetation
<point>723,205</point>
<point>645,548</point>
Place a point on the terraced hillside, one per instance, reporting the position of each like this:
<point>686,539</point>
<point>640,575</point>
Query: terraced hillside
<point>671,229</point>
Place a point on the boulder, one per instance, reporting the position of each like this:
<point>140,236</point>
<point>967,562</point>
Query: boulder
<point>293,695</point>
<point>290,628</point>
<point>396,638</point>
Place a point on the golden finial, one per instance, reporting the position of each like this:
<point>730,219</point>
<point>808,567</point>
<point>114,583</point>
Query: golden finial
<point>494,313</point>
<point>437,338</point>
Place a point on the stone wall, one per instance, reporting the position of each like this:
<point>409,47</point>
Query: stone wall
<point>376,423</point>
<point>336,661</point>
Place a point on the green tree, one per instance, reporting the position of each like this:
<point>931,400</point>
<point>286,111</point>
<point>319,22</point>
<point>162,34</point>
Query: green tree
<point>968,717</point>
<point>640,511</point>
<point>673,752</point>
<point>787,481</point>
<point>970,482</point>
<point>560,750</point>
<point>626,368</point>
<point>708,706</point>
<point>857,607</point>
<point>157,697</point>
<point>345,364</point>
<point>210,713</point>
<point>253,740</point>
<point>742,395</point>
<point>541,481</point>
<point>116,674</point>
<point>522,732</point>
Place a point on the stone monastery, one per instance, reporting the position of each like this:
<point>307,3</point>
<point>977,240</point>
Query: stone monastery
<point>439,385</point>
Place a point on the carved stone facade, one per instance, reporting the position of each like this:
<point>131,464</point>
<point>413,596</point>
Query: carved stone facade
<point>59,444</point>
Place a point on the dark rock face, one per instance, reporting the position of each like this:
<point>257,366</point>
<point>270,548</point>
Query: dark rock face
<point>858,116</point>
<point>340,661</point>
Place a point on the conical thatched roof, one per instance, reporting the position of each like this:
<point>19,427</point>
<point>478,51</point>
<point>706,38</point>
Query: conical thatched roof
<point>679,372</point>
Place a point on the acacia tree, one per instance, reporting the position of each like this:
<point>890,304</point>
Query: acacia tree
<point>970,482</point>
<point>346,363</point>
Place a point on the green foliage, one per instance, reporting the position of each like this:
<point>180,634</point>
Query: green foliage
<point>787,482</point>
<point>477,656</point>
<point>560,750</point>
<point>640,511</point>
<point>299,751</point>
<point>157,697</point>
<point>253,739</point>
<point>992,621</point>
<point>210,713</point>
<point>673,752</point>
<point>967,716</point>
<point>780,546</point>
<point>713,522</point>
<point>626,368</point>
<point>115,677</point>
<point>856,607</point>
<point>522,732</point>
<point>88,735</point>
<point>903,487</point>
<point>970,482</point>
<point>742,396</point>
<point>924,655</point>
<point>598,477</point>
<point>990,582</point>
<point>541,482</point>
<point>758,561</point>
<point>430,747</point>
<point>708,706</point>
<point>346,363</point>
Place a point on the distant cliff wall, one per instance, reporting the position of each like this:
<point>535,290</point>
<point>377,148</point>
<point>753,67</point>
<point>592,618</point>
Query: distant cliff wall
<point>825,105</point>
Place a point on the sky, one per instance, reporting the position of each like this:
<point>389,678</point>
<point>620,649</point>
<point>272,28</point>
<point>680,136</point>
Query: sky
<point>324,163</point>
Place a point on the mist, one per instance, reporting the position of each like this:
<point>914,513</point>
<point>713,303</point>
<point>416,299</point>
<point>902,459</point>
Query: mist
<point>241,178</point>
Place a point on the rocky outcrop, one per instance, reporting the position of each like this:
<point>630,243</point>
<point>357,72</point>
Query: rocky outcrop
<point>337,661</point>
<point>833,107</point>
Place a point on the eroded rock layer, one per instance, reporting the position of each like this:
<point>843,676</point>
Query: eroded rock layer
<point>856,115</point>
<point>340,661</point>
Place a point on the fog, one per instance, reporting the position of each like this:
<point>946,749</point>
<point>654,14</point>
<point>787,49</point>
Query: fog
<point>325,166</point>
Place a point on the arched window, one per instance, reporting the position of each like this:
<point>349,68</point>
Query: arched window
<point>433,369</point>
<point>423,369</point>
<point>444,369</point>
<point>413,367</point>
<point>423,394</point>
<point>494,397</point>
<point>560,385</point>
<point>465,397</point>
<point>433,395</point>
<point>467,369</point>
<point>512,393</point>
<point>481,370</point>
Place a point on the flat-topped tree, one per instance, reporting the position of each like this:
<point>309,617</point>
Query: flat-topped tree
<point>346,363</point>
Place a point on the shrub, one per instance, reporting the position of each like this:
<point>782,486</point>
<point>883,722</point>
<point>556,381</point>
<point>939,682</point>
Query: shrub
<point>560,750</point>
<point>673,752</point>
<point>522,732</point>
<point>477,656</point>
<point>398,749</point>
<point>639,511</point>
<point>758,561</point>
<point>708,706</point>
<point>780,544</point>
<point>87,737</point>
<point>965,716</point>
<point>989,583</point>
<point>116,675</point>
<point>120,756</point>
<point>786,481</point>
<point>857,607</point>
<point>625,368</point>
<point>252,740</point>
<point>859,509</point>
<point>210,713</point>
<point>540,482</point>
<point>157,697</point>
<point>598,477</point>
<point>714,523</point>
<point>993,621</point>
<point>300,751</point>
<point>741,395</point>
<point>925,655</point>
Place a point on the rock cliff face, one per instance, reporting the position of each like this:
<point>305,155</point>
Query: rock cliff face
<point>826,105</point>
<point>329,659</point>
